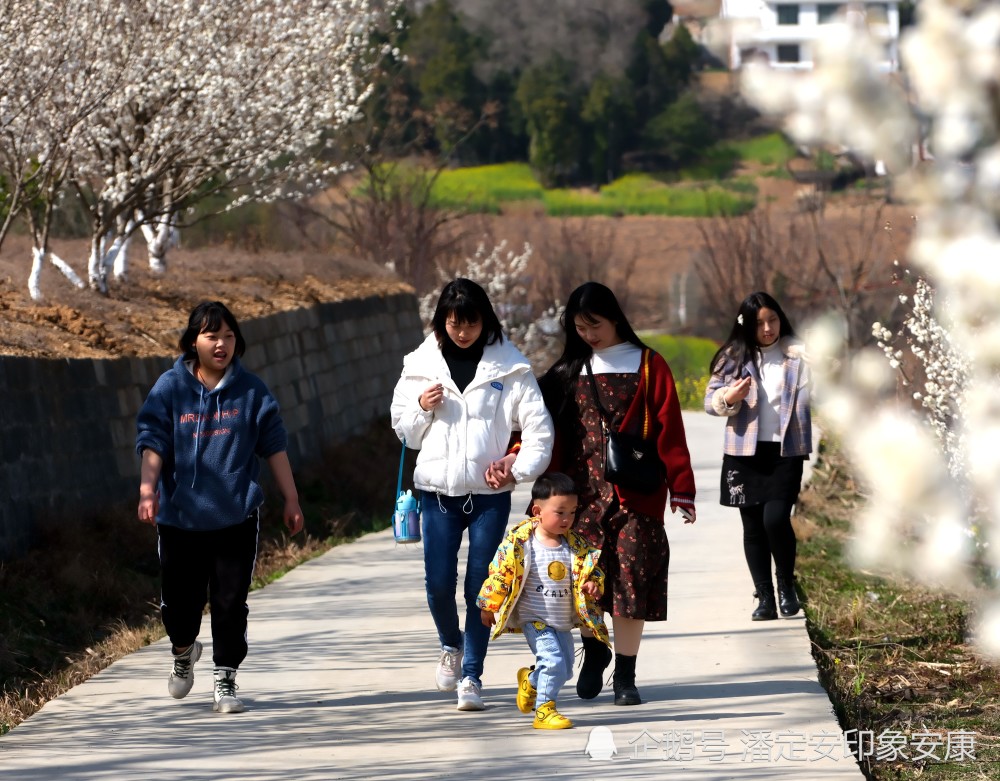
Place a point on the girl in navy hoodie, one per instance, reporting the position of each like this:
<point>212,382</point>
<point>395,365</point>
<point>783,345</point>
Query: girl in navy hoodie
<point>201,431</point>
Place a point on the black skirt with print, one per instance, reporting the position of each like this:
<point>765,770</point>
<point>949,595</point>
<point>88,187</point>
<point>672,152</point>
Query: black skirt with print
<point>763,477</point>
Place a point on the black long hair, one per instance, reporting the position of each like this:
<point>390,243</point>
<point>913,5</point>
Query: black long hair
<point>742,344</point>
<point>588,300</point>
<point>469,303</point>
<point>209,316</point>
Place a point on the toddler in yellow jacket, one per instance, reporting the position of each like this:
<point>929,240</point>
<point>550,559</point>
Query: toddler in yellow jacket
<point>544,581</point>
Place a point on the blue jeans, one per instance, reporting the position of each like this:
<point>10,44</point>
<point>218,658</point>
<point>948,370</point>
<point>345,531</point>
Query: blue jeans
<point>444,520</point>
<point>553,652</point>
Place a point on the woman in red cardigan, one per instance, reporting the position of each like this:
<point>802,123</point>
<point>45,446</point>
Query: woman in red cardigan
<point>633,384</point>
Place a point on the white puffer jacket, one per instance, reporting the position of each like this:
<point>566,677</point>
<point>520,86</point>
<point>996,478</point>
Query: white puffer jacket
<point>466,432</point>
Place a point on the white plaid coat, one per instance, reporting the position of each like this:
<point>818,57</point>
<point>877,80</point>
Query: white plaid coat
<point>794,413</point>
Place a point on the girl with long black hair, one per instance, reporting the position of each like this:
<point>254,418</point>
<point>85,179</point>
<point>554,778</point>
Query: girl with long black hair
<point>606,375</point>
<point>760,382</point>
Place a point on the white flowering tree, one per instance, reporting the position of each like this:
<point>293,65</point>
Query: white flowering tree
<point>201,96</point>
<point>919,519</point>
<point>932,369</point>
<point>46,97</point>
<point>503,275</point>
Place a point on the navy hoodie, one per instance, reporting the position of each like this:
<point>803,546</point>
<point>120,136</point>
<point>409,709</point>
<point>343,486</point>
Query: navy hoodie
<point>210,442</point>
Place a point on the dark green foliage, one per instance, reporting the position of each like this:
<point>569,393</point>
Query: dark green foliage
<point>679,133</point>
<point>659,13</point>
<point>441,56</point>
<point>454,94</point>
<point>550,103</point>
<point>609,111</point>
<point>680,54</point>
<point>653,80</point>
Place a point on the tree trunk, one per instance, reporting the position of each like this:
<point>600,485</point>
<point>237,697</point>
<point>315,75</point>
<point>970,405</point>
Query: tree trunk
<point>38,258</point>
<point>159,238</point>
<point>96,273</point>
<point>117,257</point>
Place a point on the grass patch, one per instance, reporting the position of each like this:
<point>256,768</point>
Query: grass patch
<point>770,150</point>
<point>486,189</point>
<point>688,358</point>
<point>643,194</point>
<point>89,593</point>
<point>892,655</point>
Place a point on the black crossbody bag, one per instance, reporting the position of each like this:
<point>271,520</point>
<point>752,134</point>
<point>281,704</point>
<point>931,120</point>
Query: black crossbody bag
<point>630,461</point>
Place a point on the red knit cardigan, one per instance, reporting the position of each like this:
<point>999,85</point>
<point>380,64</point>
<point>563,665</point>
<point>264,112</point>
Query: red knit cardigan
<point>667,426</point>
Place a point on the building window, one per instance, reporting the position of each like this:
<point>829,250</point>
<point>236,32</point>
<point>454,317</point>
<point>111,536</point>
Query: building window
<point>788,52</point>
<point>826,13</point>
<point>788,14</point>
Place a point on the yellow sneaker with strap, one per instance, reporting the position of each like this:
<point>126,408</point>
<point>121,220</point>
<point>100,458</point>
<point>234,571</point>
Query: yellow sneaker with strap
<point>547,717</point>
<point>526,693</point>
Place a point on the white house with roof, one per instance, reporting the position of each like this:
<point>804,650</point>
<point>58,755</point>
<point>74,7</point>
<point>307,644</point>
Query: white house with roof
<point>783,31</point>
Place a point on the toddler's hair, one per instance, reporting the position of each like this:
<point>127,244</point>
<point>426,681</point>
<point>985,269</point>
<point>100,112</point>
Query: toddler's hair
<point>552,484</point>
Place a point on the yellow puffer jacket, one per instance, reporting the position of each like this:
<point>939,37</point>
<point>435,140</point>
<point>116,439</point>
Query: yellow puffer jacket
<point>502,588</point>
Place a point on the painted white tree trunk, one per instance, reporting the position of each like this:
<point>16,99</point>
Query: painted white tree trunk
<point>38,258</point>
<point>160,237</point>
<point>117,256</point>
<point>96,274</point>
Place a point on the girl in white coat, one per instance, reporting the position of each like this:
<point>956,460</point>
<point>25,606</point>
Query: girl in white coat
<point>461,396</point>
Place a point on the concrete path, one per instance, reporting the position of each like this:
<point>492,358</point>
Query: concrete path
<point>340,685</point>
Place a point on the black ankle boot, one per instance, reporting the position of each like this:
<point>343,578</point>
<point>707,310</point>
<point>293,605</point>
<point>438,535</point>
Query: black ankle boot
<point>596,658</point>
<point>624,681</point>
<point>766,609</point>
<point>788,601</point>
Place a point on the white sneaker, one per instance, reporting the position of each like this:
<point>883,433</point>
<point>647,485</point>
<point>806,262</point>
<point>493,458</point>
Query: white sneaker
<point>182,676</point>
<point>449,668</point>
<point>226,700</point>
<point>470,695</point>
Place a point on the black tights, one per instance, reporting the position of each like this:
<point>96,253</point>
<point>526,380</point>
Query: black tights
<point>767,532</point>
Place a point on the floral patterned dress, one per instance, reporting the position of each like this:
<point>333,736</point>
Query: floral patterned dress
<point>635,553</point>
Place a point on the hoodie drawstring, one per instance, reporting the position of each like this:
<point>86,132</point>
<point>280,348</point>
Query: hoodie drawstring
<point>197,433</point>
<point>467,507</point>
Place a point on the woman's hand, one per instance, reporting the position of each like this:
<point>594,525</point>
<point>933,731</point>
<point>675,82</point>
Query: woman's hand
<point>498,474</point>
<point>488,618</point>
<point>431,397</point>
<point>688,513</point>
<point>591,589</point>
<point>737,391</point>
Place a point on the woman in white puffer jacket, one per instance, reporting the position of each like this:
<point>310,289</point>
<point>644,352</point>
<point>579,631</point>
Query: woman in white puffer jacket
<point>462,395</point>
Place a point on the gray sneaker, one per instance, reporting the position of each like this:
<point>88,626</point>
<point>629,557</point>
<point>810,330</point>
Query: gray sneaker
<point>226,700</point>
<point>182,676</point>
<point>449,668</point>
<point>470,695</point>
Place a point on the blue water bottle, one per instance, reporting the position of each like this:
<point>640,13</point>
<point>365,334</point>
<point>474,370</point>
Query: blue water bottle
<point>406,519</point>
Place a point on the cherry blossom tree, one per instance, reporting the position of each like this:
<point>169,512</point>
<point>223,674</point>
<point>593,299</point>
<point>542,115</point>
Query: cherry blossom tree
<point>200,97</point>
<point>47,94</point>
<point>919,518</point>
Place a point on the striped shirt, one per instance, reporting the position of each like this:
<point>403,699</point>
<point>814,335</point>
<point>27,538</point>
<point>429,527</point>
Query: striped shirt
<point>547,594</point>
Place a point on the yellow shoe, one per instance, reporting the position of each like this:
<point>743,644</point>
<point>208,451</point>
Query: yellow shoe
<point>526,693</point>
<point>547,717</point>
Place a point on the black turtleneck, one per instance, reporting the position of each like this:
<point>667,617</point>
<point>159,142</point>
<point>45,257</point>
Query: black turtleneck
<point>462,363</point>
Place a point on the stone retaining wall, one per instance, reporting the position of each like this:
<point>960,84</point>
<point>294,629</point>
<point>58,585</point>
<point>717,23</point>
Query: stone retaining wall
<point>67,426</point>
